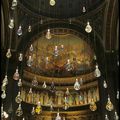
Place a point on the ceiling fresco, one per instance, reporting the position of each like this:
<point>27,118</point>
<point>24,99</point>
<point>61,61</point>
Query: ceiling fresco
<point>72,51</point>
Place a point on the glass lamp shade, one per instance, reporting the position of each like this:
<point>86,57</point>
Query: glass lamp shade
<point>3,95</point>
<point>14,3</point>
<point>117,94</point>
<point>58,117</point>
<point>29,28</point>
<point>5,80</point>
<point>16,75</point>
<point>109,105</point>
<point>19,83</point>
<point>83,9</point>
<point>6,115</point>
<point>38,109</point>
<point>51,108</point>
<point>19,111</point>
<point>3,87</point>
<point>30,61</point>
<point>106,117</point>
<point>8,54</point>
<point>104,84</point>
<point>52,2</point>
<point>48,34</point>
<point>88,28</point>
<point>77,85</point>
<point>93,106</point>
<point>97,72</point>
<point>116,117</point>
<point>67,92</point>
<point>2,112</point>
<point>31,48</point>
<point>19,31</point>
<point>20,58</point>
<point>33,111</point>
<point>11,24</point>
<point>18,98</point>
<point>30,91</point>
<point>44,85</point>
<point>34,81</point>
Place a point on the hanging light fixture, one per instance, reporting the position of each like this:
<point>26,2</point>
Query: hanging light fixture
<point>109,105</point>
<point>14,3</point>
<point>19,31</point>
<point>3,95</point>
<point>104,84</point>
<point>20,58</point>
<point>19,111</point>
<point>97,72</point>
<point>38,109</point>
<point>51,107</point>
<point>58,117</point>
<point>31,48</point>
<point>52,2</point>
<point>48,34</point>
<point>3,113</point>
<point>11,24</point>
<point>88,27</point>
<point>29,28</point>
<point>19,83</point>
<point>83,9</point>
<point>5,80</point>
<point>116,117</point>
<point>117,94</point>
<point>16,75</point>
<point>67,92</point>
<point>44,85</point>
<point>93,106</point>
<point>3,87</point>
<point>29,61</point>
<point>18,98</point>
<point>34,81</point>
<point>33,111</point>
<point>8,54</point>
<point>106,117</point>
<point>77,85</point>
<point>30,91</point>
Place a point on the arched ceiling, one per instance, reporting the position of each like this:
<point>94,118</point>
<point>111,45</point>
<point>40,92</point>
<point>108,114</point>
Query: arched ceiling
<point>62,8</point>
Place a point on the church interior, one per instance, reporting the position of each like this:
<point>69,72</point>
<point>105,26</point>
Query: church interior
<point>59,59</point>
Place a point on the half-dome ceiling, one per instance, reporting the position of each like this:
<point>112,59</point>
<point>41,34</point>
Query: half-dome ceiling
<point>61,56</point>
<point>62,8</point>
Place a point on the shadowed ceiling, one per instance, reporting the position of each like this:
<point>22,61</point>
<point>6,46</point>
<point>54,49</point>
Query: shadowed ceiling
<point>62,8</point>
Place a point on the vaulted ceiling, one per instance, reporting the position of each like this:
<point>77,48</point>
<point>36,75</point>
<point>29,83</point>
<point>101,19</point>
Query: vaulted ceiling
<point>65,18</point>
